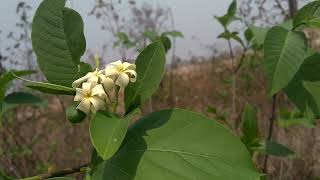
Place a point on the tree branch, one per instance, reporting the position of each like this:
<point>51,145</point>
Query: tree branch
<point>283,11</point>
<point>270,131</point>
<point>58,173</point>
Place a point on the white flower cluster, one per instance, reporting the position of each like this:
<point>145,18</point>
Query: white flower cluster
<point>95,85</point>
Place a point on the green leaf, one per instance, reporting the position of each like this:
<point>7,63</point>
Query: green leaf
<point>230,17</point>
<point>48,88</point>
<point>123,40</point>
<point>3,176</point>
<point>173,34</point>
<point>95,159</point>
<point>22,98</point>
<point>74,115</point>
<point>7,77</point>
<point>284,53</point>
<point>275,149</point>
<point>248,35</point>
<point>249,125</point>
<point>61,178</point>
<point>211,109</point>
<point>259,34</point>
<point>51,88</point>
<point>58,41</point>
<point>108,131</point>
<point>313,88</point>
<point>84,69</point>
<point>309,15</point>
<point>150,69</point>
<point>231,35</point>
<point>151,35</point>
<point>166,43</point>
<point>178,144</point>
<point>73,28</point>
<point>295,117</point>
<point>288,24</point>
<point>232,10</point>
<point>296,90</point>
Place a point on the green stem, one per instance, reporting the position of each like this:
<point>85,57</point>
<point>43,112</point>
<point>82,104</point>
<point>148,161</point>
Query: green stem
<point>32,178</point>
<point>59,173</point>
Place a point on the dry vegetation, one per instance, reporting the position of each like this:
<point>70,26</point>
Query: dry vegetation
<point>40,141</point>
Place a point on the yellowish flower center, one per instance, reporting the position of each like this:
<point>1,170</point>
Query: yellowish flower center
<point>87,95</point>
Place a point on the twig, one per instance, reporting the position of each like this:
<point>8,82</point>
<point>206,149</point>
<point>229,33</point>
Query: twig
<point>270,131</point>
<point>283,11</point>
<point>243,55</point>
<point>59,173</point>
<point>233,80</point>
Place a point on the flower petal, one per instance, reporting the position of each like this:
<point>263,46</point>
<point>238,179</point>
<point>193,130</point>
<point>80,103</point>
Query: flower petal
<point>111,70</point>
<point>93,79</point>
<point>117,63</point>
<point>79,97</point>
<point>129,66</point>
<point>97,104</point>
<point>107,83</point>
<point>122,80</point>
<point>132,74</point>
<point>85,106</point>
<point>78,82</point>
<point>98,90</point>
<point>86,87</point>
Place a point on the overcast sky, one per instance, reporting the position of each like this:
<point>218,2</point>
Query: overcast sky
<point>193,17</point>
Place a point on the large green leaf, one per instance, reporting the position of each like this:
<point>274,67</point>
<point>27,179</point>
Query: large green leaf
<point>150,69</point>
<point>314,89</point>
<point>180,145</point>
<point>107,132</point>
<point>284,52</point>
<point>7,77</point>
<point>249,125</point>
<point>58,41</point>
<point>296,90</point>
<point>61,178</point>
<point>309,15</point>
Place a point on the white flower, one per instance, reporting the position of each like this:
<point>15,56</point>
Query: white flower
<point>97,77</point>
<point>89,77</point>
<point>90,97</point>
<point>121,72</point>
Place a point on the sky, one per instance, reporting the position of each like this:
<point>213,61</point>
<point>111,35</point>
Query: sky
<point>193,17</point>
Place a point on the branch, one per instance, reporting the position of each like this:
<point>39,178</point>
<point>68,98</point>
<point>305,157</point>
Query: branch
<point>283,11</point>
<point>270,131</point>
<point>58,173</point>
<point>243,55</point>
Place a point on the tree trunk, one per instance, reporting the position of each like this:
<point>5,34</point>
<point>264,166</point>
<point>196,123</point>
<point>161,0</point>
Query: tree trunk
<point>293,7</point>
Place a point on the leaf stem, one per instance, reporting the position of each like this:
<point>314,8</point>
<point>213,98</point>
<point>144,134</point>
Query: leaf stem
<point>58,173</point>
